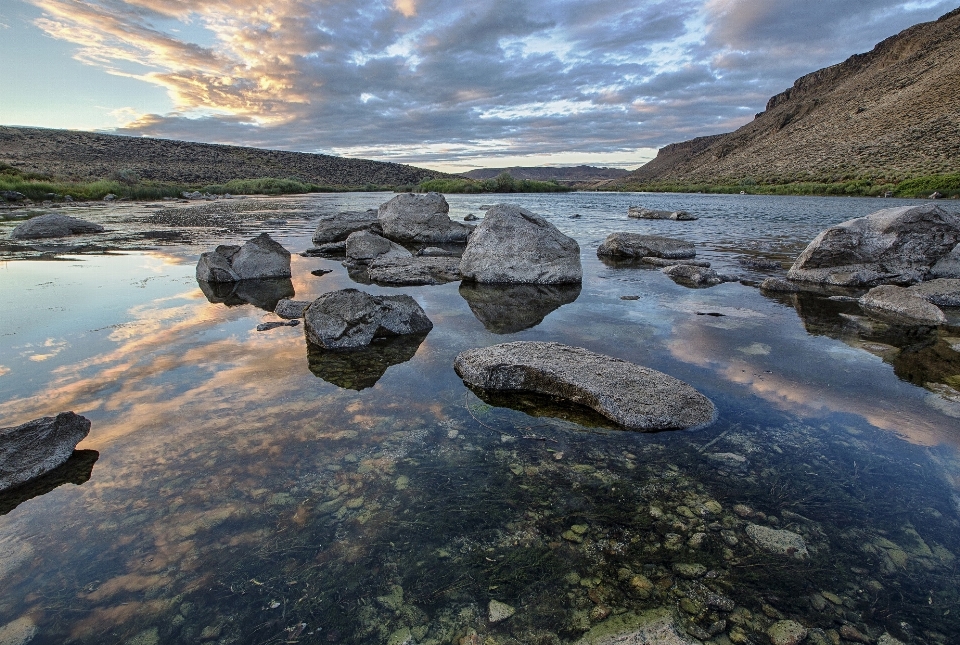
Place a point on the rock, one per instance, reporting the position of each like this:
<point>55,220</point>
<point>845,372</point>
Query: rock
<point>887,639</point>
<point>53,225</point>
<point>267,326</point>
<point>779,285</point>
<point>778,541</point>
<point>260,258</point>
<point>635,397</point>
<point>948,266</point>
<point>364,247</point>
<point>851,633</point>
<point>690,571</point>
<point>787,632</point>
<point>337,228</point>
<point>654,627</point>
<point>943,292</point>
<point>891,246</point>
<point>692,276</point>
<point>665,262</point>
<point>414,270</point>
<point>13,195</point>
<point>902,306</point>
<point>28,451</point>
<point>348,319</point>
<point>436,252</point>
<point>18,632</point>
<point>509,308</point>
<point>639,212</point>
<point>635,245</point>
<point>320,272</point>
<point>421,218</point>
<point>936,195</point>
<point>515,246</point>
<point>109,197</point>
<point>470,218</point>
<point>291,309</point>
<point>499,611</point>
<point>760,264</point>
<point>326,250</point>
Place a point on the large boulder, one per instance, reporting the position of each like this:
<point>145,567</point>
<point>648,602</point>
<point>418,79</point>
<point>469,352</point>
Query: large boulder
<point>260,258</point>
<point>421,218</point>
<point>892,246</point>
<point>336,228</point>
<point>635,245</point>
<point>364,247</point>
<point>901,305</point>
<point>632,396</point>
<point>639,212</point>
<point>514,246</point>
<point>397,271</point>
<point>349,319</point>
<point>53,225</point>
<point>30,450</point>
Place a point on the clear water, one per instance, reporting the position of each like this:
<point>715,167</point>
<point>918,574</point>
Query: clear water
<point>237,489</point>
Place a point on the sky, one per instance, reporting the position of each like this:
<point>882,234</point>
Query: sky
<point>435,83</point>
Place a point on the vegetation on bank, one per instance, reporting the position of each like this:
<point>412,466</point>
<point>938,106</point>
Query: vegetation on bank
<point>502,183</point>
<point>947,185</point>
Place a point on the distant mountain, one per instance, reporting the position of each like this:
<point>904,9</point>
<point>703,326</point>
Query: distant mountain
<point>891,113</point>
<point>89,156</point>
<point>574,174</point>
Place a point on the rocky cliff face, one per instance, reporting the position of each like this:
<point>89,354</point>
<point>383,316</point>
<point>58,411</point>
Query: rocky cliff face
<point>890,113</point>
<point>90,156</point>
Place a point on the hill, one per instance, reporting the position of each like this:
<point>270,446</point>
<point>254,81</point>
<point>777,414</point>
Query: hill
<point>887,115</point>
<point>574,174</point>
<point>87,156</point>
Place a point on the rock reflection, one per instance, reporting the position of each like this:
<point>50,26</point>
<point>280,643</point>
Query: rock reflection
<point>542,405</point>
<point>264,294</point>
<point>76,470</point>
<point>506,309</point>
<point>361,369</point>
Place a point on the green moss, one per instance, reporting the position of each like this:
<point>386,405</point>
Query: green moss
<point>502,183</point>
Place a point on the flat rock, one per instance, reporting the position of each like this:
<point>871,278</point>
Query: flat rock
<point>30,450</point>
<point>267,326</point>
<point>337,228</point>
<point>632,396</point>
<point>414,270</point>
<point>260,258</point>
<point>635,245</point>
<point>363,247</point>
<point>943,292</point>
<point>499,611</point>
<point>639,212</point>
<point>509,308</point>
<point>436,252</point>
<point>654,627</point>
<point>665,262</point>
<point>349,319</point>
<point>779,285</point>
<point>891,246</point>
<point>786,632</point>
<point>778,541</point>
<point>515,246</point>
<point>326,250</point>
<point>53,225</point>
<point>901,305</point>
<point>692,276</point>
<point>291,309</point>
<point>421,218</point>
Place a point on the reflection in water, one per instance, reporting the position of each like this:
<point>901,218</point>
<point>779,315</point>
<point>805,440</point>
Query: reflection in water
<point>506,309</point>
<point>264,294</point>
<point>76,470</point>
<point>542,405</point>
<point>362,368</point>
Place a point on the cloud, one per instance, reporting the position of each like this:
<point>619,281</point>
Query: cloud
<point>430,82</point>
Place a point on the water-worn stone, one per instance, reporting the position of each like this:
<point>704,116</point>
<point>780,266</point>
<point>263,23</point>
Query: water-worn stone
<point>273,324</point>
<point>29,450</point>
<point>634,397</point>
<point>53,225</point>
<point>260,258</point>
<point>778,541</point>
<point>692,276</point>
<point>414,270</point>
<point>943,292</point>
<point>901,305</point>
<point>779,285</point>
<point>654,627</point>
<point>635,245</point>
<point>421,218</point>
<point>891,246</point>
<point>499,611</point>
<point>786,632</point>
<point>639,212</point>
<point>349,318</point>
<point>363,247</point>
<point>515,246</point>
<point>337,228</point>
<point>509,308</point>
<point>291,309</point>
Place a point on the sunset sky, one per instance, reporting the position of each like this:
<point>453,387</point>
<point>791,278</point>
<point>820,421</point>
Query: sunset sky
<point>445,85</point>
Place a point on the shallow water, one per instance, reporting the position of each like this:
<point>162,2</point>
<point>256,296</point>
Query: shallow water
<point>246,490</point>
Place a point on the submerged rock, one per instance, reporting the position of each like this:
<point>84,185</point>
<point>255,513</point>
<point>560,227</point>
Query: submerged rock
<point>891,246</point>
<point>30,450</point>
<point>260,258</point>
<point>635,397</point>
<point>515,246</point>
<point>639,212</point>
<point>777,541</point>
<point>337,228</point>
<point>499,611</point>
<point>421,218</point>
<point>414,270</point>
<point>509,308</point>
<point>787,632</point>
<point>654,627</point>
<point>53,225</point>
<point>348,319</point>
<point>635,245</point>
<point>363,247</point>
<point>692,276</point>
<point>901,305</point>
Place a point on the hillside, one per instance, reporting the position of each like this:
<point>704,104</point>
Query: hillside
<point>889,114</point>
<point>88,156</point>
<point>561,174</point>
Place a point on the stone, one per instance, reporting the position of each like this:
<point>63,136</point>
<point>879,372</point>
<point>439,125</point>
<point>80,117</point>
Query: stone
<point>421,218</point>
<point>509,308</point>
<point>851,633</point>
<point>326,250</point>
<point>109,197</point>
<point>436,252</point>
<point>891,246</point>
<point>779,285</point>
<point>267,326</point>
<point>943,292</point>
<point>887,639</point>
<point>53,225</point>
<point>689,571</point>
<point>948,266</point>
<point>515,246</point>
<point>653,627</point>
<point>786,632</point>
<point>499,611</point>
<point>760,264</point>
<point>470,218</point>
<point>34,448</point>
<point>337,228</point>
<point>414,270</point>
<point>691,276</point>
<point>635,245</point>
<point>18,632</point>
<point>290,309</point>
<point>666,262</point>
<point>363,247</point>
<point>902,306</point>
<point>632,396</point>
<point>13,195</point>
<point>350,319</point>
<point>639,212</point>
<point>778,541</point>
<point>260,258</point>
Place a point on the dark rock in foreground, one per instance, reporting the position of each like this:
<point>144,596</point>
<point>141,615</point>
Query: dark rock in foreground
<point>336,228</point>
<point>902,306</point>
<point>53,225</point>
<point>639,212</point>
<point>635,397</point>
<point>264,294</point>
<point>424,219</point>
<point>349,319</point>
<point>635,245</point>
<point>414,270</point>
<point>260,258</point>
<point>361,368</point>
<point>76,470</point>
<point>509,308</point>
<point>30,450</point>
